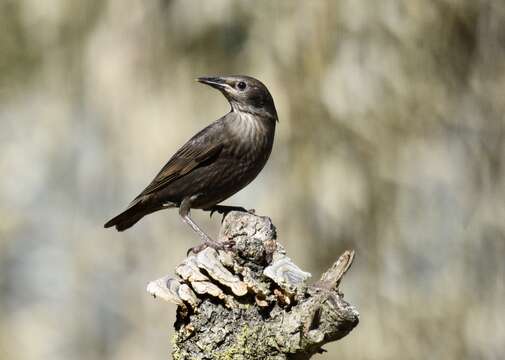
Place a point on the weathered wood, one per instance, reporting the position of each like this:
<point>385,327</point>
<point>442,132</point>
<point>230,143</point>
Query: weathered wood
<point>254,303</point>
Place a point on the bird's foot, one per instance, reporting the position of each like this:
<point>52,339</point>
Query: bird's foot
<point>218,245</point>
<point>224,210</point>
<point>196,249</point>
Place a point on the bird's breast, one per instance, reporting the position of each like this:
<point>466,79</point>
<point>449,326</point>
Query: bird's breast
<point>250,136</point>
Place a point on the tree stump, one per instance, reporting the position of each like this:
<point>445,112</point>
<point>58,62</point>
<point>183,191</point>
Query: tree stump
<point>253,302</point>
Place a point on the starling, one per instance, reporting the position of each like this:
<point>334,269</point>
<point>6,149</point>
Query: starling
<point>214,164</point>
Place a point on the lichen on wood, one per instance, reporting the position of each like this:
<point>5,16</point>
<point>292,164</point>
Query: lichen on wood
<point>253,302</point>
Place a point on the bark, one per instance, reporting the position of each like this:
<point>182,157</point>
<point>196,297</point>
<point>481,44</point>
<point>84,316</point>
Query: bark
<point>254,302</point>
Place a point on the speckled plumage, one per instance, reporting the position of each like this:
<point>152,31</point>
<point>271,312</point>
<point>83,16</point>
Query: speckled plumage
<point>215,163</point>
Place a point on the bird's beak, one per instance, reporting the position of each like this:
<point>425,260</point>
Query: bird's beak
<point>214,81</point>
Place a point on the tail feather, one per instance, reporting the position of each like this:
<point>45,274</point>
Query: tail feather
<point>130,216</point>
<point>121,223</point>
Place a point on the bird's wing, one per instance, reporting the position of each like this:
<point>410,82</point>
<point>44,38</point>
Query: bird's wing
<point>202,148</point>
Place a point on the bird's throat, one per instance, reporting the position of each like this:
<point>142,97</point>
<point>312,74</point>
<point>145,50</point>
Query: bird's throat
<point>249,127</point>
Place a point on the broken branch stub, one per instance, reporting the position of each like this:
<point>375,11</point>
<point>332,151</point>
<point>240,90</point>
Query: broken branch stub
<point>254,302</point>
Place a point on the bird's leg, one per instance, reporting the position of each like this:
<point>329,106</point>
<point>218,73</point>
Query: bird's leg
<point>207,241</point>
<point>225,209</point>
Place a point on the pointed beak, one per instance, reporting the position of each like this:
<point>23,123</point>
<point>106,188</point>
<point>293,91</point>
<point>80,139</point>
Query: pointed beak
<point>214,81</point>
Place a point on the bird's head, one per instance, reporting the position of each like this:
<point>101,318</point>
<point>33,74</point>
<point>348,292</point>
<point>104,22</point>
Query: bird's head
<point>244,93</point>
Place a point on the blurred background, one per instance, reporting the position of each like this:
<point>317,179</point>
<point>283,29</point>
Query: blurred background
<point>391,141</point>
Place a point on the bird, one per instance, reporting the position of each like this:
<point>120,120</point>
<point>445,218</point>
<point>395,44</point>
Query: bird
<point>214,164</point>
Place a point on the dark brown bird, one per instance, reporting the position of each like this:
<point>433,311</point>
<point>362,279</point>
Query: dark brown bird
<point>215,163</point>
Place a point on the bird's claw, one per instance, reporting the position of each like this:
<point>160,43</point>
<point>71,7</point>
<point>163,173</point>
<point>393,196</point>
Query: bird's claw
<point>224,210</point>
<point>228,245</point>
<point>196,249</point>
<point>224,245</point>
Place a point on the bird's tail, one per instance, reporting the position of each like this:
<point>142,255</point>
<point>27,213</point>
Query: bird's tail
<point>136,211</point>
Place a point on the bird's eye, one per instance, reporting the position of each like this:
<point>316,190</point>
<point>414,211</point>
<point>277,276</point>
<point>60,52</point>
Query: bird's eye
<point>241,85</point>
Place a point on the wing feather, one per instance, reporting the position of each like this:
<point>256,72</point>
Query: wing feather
<point>198,150</point>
